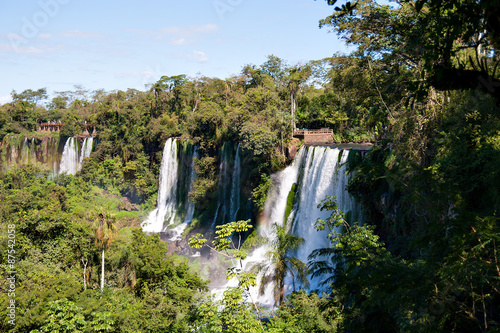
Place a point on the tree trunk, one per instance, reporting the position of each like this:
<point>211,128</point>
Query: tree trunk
<point>292,107</point>
<point>102,270</point>
<point>84,262</point>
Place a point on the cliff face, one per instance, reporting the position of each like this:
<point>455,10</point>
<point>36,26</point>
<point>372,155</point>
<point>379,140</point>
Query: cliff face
<point>18,150</point>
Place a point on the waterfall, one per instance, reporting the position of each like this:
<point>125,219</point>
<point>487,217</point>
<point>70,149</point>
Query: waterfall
<point>177,231</point>
<point>324,175</point>
<point>69,159</point>
<point>235,187</point>
<point>25,151</point>
<point>28,154</point>
<point>319,172</point>
<point>224,186</point>
<point>86,150</point>
<point>166,205</point>
<point>273,212</point>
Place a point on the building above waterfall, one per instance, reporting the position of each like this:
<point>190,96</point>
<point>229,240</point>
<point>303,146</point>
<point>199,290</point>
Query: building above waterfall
<point>56,126</point>
<point>314,136</point>
<point>89,129</point>
<point>50,126</point>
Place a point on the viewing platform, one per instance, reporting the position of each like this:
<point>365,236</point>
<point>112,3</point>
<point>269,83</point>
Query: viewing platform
<point>55,126</point>
<point>51,126</point>
<point>315,136</point>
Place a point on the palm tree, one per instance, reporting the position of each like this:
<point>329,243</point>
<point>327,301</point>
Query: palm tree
<point>104,235</point>
<point>280,262</point>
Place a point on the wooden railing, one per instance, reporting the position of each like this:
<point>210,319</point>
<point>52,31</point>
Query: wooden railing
<point>300,132</point>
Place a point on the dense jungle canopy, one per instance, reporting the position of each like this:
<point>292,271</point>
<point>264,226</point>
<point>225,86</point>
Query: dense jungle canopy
<point>421,83</point>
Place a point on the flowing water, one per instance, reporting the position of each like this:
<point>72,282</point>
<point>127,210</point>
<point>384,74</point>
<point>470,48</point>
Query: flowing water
<point>165,211</point>
<point>235,187</point>
<point>177,231</point>
<point>296,192</point>
<point>86,150</point>
<point>317,172</point>
<point>70,159</point>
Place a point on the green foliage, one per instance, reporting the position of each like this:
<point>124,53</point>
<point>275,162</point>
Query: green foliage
<point>232,314</point>
<point>290,199</point>
<point>280,262</point>
<point>301,313</point>
<point>259,194</point>
<point>64,316</point>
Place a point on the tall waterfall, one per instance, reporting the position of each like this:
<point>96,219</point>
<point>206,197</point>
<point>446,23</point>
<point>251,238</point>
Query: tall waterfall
<point>273,213</point>
<point>28,155</point>
<point>319,172</point>
<point>86,150</point>
<point>166,204</point>
<point>235,187</point>
<point>228,187</point>
<point>177,231</point>
<point>70,160</point>
<point>324,175</point>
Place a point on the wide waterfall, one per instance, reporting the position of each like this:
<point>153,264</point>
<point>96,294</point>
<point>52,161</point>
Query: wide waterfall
<point>273,213</point>
<point>70,159</point>
<point>165,211</point>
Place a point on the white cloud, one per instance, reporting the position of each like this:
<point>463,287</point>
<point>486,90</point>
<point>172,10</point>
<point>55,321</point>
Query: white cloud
<point>5,99</point>
<point>199,56</point>
<point>45,36</point>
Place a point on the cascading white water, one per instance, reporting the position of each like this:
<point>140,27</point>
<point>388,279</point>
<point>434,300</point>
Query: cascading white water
<point>167,203</point>
<point>28,155</point>
<point>273,212</point>
<point>177,231</point>
<point>69,160</point>
<point>235,187</point>
<point>324,175</point>
<point>86,150</point>
<point>25,152</point>
<point>223,187</point>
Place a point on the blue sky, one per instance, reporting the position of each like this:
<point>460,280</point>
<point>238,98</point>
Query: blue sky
<point>126,44</point>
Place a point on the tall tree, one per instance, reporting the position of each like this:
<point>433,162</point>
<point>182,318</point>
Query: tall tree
<point>105,233</point>
<point>297,76</point>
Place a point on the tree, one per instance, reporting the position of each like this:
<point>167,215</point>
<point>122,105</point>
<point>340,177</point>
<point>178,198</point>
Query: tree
<point>64,316</point>
<point>30,95</point>
<point>297,76</point>
<point>453,44</point>
<point>105,233</point>
<point>229,242</point>
<point>280,263</point>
